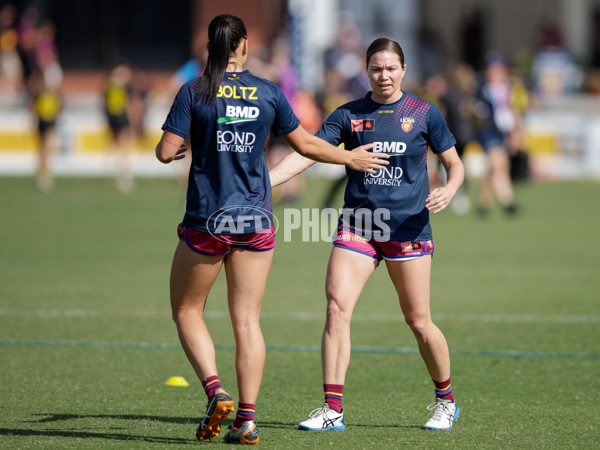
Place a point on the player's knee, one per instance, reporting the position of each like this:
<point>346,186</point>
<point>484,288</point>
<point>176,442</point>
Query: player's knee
<point>185,314</point>
<point>178,315</point>
<point>337,316</point>
<point>244,326</point>
<point>419,325</point>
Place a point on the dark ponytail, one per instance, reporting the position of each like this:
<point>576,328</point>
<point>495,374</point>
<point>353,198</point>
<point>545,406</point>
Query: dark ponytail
<point>225,33</point>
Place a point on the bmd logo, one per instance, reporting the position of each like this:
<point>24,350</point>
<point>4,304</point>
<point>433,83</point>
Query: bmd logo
<point>389,148</point>
<point>238,114</point>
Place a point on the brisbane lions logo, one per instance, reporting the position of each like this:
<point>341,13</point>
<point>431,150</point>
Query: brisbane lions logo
<point>407,123</point>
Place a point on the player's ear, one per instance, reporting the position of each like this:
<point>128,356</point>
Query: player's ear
<point>245,47</point>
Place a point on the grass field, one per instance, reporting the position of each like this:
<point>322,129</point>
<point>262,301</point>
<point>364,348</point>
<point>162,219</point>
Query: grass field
<point>86,339</point>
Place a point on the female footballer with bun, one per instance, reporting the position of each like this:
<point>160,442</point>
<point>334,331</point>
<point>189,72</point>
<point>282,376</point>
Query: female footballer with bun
<point>227,114</point>
<point>385,216</point>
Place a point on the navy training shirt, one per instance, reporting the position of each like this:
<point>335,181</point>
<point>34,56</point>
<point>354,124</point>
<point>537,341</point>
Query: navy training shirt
<point>390,204</point>
<point>229,191</point>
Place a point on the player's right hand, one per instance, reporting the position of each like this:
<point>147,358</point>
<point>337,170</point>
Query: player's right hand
<point>365,161</point>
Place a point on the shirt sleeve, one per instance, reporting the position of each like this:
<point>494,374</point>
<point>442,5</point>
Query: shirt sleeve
<point>440,137</point>
<point>332,129</point>
<point>286,120</point>
<point>179,119</point>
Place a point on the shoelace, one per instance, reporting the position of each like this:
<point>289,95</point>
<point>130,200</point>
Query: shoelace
<point>323,410</point>
<point>439,409</point>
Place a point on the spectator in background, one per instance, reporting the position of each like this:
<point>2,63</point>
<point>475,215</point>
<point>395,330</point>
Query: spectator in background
<point>46,55</point>
<point>282,67</point>
<point>276,65</point>
<point>517,146</point>
<point>27,45</point>
<point>116,103</point>
<point>430,52</point>
<point>459,102</point>
<point>191,69</point>
<point>498,122</point>
<point>333,95</point>
<point>472,38</point>
<point>139,90</point>
<point>42,80</point>
<point>434,89</point>
<point>46,107</point>
<point>345,55</point>
<point>10,64</point>
<point>554,71</point>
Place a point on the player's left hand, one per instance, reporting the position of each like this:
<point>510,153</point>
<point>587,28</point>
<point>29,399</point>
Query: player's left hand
<point>438,199</point>
<point>181,152</point>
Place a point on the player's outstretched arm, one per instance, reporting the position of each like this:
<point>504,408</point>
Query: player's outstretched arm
<point>288,168</point>
<point>317,149</point>
<point>171,147</point>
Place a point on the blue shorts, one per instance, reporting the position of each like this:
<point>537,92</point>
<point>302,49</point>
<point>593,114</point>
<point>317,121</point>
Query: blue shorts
<point>219,245</point>
<point>491,139</point>
<point>388,250</point>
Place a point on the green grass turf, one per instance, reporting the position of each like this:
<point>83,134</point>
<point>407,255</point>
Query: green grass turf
<point>86,340</point>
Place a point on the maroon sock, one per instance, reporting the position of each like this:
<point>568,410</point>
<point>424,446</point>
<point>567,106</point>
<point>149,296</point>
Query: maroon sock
<point>334,394</point>
<point>245,412</point>
<point>210,385</point>
<point>443,389</point>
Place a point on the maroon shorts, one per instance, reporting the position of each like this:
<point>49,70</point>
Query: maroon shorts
<point>388,250</point>
<point>218,245</point>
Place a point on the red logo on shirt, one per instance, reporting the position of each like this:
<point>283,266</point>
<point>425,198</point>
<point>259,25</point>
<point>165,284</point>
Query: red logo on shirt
<point>407,126</point>
<point>363,125</point>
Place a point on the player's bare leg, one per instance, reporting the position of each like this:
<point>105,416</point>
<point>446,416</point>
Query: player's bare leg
<point>347,274</point>
<point>247,273</point>
<point>411,280</point>
<point>192,276</point>
<point>497,183</point>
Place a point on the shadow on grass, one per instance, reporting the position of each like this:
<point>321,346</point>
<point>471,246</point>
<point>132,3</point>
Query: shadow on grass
<point>294,425</point>
<point>93,435</point>
<point>60,417</point>
<point>190,420</point>
<point>82,434</point>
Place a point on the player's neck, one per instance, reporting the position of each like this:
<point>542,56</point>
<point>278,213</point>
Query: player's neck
<point>386,100</point>
<point>234,65</point>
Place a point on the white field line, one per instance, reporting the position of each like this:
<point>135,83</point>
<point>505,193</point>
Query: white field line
<point>299,316</point>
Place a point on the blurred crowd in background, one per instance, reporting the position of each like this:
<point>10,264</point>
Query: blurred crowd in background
<point>30,71</point>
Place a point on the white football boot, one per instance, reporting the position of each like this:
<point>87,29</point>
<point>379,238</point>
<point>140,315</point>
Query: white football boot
<point>322,419</point>
<point>445,413</point>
